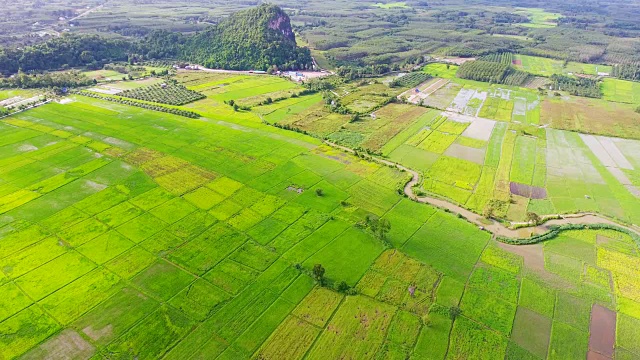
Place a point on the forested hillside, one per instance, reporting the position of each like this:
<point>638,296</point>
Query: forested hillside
<point>258,38</point>
<point>65,51</point>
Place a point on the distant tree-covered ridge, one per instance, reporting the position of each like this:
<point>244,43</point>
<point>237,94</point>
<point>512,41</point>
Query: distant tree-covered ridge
<point>255,39</point>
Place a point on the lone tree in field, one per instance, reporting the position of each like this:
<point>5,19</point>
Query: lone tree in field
<point>379,227</point>
<point>488,211</point>
<point>454,312</point>
<point>343,287</point>
<point>318,273</point>
<point>319,192</point>
<point>534,218</point>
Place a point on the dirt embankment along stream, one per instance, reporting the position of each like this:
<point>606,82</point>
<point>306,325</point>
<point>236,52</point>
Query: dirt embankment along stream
<point>495,227</point>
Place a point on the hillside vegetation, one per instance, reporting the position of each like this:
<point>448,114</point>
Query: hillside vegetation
<point>257,38</point>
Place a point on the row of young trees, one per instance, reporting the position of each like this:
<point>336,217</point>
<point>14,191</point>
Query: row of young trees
<point>167,93</point>
<point>499,57</point>
<point>492,72</point>
<point>185,113</point>
<point>627,71</point>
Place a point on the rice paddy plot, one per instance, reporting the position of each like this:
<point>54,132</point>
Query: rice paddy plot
<point>621,91</point>
<point>357,315</point>
<point>538,18</point>
<point>184,241</point>
<point>594,116</point>
<point>441,70</point>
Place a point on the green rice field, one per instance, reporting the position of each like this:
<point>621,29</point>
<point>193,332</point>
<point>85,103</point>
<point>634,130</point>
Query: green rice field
<point>133,233</point>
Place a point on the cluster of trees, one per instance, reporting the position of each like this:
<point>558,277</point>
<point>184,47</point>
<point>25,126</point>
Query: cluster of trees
<point>256,38</point>
<point>124,68</point>
<point>380,227</point>
<point>168,93</point>
<point>324,83</point>
<point>492,72</point>
<point>504,17</point>
<point>577,86</point>
<point>63,52</point>
<point>185,113</point>
<point>49,80</point>
<point>627,71</point>
<point>358,72</point>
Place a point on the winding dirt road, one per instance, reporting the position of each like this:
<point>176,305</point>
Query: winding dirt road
<point>495,227</point>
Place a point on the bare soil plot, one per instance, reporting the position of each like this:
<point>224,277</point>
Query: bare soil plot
<point>479,129</point>
<point>466,153</point>
<point>533,255</point>
<point>531,192</point>
<point>456,60</point>
<point>595,356</point>
<point>67,345</point>
<point>104,89</point>
<point>602,331</point>
<point>425,90</point>
<point>444,96</point>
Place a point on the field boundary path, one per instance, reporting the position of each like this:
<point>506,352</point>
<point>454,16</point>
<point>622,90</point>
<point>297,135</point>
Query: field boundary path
<point>493,226</point>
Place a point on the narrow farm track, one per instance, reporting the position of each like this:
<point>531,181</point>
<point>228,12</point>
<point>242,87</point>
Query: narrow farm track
<point>495,227</point>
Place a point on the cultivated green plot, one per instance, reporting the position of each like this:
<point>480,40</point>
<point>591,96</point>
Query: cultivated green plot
<point>349,320</point>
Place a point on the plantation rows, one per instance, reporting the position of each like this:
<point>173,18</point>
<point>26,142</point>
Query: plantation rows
<point>492,72</point>
<point>410,80</point>
<point>185,113</point>
<point>503,58</point>
<point>627,71</point>
<point>172,94</point>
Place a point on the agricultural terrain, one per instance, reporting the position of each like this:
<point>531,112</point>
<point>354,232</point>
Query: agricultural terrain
<point>128,231</point>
